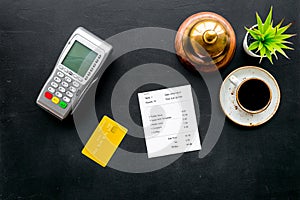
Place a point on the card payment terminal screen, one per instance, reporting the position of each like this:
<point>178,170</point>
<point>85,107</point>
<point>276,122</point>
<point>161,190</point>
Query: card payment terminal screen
<point>79,58</point>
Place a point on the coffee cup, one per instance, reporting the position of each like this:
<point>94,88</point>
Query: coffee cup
<point>253,95</point>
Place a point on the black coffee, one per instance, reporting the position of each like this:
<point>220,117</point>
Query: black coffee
<point>254,94</point>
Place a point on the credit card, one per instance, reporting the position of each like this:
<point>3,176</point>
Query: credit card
<point>104,141</point>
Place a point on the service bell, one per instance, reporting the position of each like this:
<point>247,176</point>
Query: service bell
<point>205,41</point>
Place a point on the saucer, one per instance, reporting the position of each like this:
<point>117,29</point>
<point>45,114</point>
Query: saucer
<point>229,103</point>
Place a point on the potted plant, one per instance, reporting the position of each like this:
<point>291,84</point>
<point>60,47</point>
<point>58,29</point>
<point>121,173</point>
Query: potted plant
<point>264,40</point>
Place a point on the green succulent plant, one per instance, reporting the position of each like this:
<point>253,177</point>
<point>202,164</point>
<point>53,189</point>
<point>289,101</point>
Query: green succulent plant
<point>268,39</point>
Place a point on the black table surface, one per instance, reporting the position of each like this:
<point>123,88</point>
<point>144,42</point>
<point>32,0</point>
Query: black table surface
<point>41,156</point>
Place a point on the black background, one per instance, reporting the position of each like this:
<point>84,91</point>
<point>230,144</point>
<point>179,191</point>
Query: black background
<point>41,156</point>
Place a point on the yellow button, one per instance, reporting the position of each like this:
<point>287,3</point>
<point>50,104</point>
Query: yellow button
<point>55,100</point>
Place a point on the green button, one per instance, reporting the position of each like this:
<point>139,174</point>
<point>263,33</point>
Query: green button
<point>63,104</point>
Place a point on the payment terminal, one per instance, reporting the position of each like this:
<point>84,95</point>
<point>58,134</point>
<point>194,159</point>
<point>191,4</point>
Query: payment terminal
<point>75,70</point>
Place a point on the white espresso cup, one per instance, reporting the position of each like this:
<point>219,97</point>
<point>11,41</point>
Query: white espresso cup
<point>253,95</point>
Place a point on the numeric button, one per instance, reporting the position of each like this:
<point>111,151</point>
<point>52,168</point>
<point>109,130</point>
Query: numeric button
<point>68,79</point>
<point>61,89</point>
<point>66,99</point>
<point>60,74</point>
<point>53,84</point>
<point>69,94</point>
<point>65,84</point>
<point>57,79</point>
<point>58,94</point>
<point>51,89</point>
<point>76,84</point>
<point>72,89</point>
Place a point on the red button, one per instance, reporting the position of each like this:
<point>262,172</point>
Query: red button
<point>48,95</point>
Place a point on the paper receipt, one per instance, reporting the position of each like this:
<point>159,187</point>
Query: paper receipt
<point>169,121</point>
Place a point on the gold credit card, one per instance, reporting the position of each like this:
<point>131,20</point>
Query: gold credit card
<point>104,141</point>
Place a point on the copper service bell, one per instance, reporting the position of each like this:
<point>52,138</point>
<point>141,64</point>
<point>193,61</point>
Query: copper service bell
<point>205,41</point>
